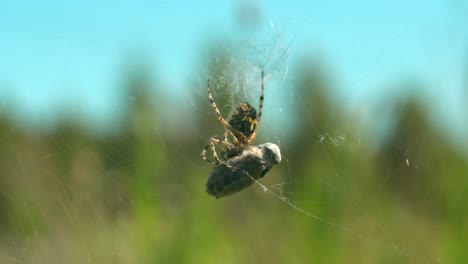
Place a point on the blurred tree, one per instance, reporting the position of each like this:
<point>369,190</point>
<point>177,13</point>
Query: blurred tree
<point>413,146</point>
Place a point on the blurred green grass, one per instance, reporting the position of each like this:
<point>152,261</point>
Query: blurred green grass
<point>71,196</point>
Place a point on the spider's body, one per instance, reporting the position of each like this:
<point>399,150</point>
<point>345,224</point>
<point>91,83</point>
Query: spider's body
<point>241,130</point>
<point>244,119</point>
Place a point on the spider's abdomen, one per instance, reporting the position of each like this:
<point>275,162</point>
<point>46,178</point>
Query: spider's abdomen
<point>244,119</point>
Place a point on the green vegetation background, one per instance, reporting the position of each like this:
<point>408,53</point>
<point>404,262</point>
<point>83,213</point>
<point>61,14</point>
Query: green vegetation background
<point>71,196</point>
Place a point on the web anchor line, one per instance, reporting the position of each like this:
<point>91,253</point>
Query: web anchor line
<point>389,245</point>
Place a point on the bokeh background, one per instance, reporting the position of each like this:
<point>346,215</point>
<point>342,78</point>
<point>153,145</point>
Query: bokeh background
<point>103,114</point>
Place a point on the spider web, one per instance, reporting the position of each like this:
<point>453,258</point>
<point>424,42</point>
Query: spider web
<point>78,210</point>
<point>239,75</point>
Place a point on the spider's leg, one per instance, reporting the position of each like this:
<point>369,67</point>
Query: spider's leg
<point>227,133</point>
<point>260,110</point>
<point>215,156</point>
<point>228,146</point>
<point>262,97</point>
<point>220,118</point>
<point>211,145</point>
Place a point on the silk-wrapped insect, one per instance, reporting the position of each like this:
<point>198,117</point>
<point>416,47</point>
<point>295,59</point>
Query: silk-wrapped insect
<point>241,171</point>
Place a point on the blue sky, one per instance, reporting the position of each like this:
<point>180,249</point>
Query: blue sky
<point>56,54</point>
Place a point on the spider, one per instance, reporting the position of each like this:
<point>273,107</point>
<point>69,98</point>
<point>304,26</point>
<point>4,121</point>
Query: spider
<point>241,129</point>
